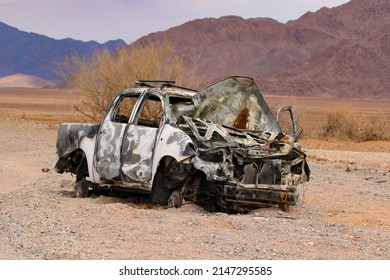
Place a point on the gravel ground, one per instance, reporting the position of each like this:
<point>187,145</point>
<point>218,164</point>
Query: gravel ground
<point>342,213</point>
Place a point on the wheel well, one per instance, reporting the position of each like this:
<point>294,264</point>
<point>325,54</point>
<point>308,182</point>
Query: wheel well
<point>159,192</point>
<point>165,163</point>
<point>170,175</point>
<point>76,163</point>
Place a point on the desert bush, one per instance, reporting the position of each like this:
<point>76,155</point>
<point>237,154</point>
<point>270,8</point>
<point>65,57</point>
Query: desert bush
<point>347,123</point>
<point>100,78</point>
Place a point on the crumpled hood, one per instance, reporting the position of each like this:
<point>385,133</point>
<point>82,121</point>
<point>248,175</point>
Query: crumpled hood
<point>251,144</point>
<point>235,102</point>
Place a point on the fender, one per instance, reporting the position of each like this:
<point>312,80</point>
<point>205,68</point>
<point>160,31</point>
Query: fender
<point>71,138</point>
<point>174,143</point>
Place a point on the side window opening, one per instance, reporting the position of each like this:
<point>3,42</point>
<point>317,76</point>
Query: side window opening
<point>151,112</point>
<point>181,106</point>
<point>125,108</point>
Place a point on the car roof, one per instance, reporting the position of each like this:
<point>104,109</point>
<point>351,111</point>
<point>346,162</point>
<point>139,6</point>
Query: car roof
<point>165,89</point>
<point>168,86</point>
<point>180,92</point>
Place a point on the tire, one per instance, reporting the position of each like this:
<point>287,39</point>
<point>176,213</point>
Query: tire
<point>160,193</point>
<point>175,200</point>
<point>81,189</point>
<point>196,187</point>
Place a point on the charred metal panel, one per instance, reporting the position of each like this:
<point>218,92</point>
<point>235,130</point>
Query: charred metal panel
<point>174,143</point>
<point>218,171</point>
<point>108,150</point>
<point>137,152</point>
<point>70,135</point>
<point>69,138</point>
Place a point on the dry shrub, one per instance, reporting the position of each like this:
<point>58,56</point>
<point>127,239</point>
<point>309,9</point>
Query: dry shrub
<point>101,78</point>
<point>347,123</point>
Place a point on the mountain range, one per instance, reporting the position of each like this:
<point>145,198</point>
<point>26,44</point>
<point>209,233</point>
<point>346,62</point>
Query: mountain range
<point>37,55</point>
<point>334,52</point>
<point>341,52</point>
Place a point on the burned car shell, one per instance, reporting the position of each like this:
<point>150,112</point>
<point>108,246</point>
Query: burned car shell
<point>220,147</point>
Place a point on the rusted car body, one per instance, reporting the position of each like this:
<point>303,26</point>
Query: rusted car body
<point>220,147</point>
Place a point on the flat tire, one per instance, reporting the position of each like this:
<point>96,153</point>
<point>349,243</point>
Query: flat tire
<point>81,189</point>
<point>175,200</point>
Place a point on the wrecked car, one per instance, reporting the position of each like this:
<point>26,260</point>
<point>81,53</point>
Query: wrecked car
<point>220,147</point>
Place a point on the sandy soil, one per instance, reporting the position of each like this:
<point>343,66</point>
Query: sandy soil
<point>342,213</point>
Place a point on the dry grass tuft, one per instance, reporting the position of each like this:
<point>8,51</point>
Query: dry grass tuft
<point>347,123</point>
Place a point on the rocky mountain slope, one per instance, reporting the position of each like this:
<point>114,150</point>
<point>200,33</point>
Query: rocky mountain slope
<point>338,52</point>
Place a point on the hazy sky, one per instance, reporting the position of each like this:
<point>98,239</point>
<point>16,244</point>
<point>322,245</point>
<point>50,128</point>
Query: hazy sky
<point>103,20</point>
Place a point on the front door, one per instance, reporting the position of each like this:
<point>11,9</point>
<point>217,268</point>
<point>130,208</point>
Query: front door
<point>139,141</point>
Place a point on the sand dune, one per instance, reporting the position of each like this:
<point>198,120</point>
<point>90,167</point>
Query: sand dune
<point>23,80</point>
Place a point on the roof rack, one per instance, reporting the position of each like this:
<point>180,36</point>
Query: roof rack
<point>164,83</point>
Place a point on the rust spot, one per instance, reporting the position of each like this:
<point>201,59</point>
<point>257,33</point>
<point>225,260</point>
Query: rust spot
<point>242,119</point>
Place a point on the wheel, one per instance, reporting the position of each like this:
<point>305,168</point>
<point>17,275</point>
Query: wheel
<point>81,189</point>
<point>175,200</point>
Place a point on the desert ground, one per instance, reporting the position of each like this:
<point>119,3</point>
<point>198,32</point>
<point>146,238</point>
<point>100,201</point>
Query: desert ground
<point>343,212</point>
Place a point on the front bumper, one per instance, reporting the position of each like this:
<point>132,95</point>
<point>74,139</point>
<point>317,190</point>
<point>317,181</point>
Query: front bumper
<point>257,196</point>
